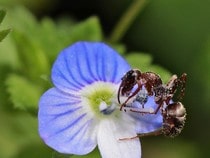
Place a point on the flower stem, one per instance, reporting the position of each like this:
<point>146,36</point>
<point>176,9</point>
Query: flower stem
<point>126,20</point>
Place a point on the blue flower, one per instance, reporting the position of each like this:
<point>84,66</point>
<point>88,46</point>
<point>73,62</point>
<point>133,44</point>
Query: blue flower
<point>82,111</point>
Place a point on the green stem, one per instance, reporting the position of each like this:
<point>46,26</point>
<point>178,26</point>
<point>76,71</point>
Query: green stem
<point>126,20</point>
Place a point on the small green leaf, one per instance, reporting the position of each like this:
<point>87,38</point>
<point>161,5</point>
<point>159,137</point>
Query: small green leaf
<point>8,53</point>
<point>19,18</point>
<point>4,33</point>
<point>89,29</point>
<point>2,15</point>
<point>33,59</point>
<point>23,93</point>
<point>54,37</point>
<point>4,102</point>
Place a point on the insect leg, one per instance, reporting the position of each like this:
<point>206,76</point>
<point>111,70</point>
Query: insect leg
<point>129,97</point>
<point>153,133</point>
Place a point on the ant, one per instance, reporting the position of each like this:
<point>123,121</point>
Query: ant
<point>150,84</point>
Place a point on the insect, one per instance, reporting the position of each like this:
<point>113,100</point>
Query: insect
<point>174,114</point>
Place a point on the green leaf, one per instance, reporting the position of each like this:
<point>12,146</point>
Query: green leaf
<point>143,62</point>
<point>51,39</point>
<point>54,37</point>
<point>2,15</point>
<point>89,29</point>
<point>24,94</point>
<point>8,53</point>
<point>4,102</point>
<point>19,18</point>
<point>33,59</point>
<point>4,33</point>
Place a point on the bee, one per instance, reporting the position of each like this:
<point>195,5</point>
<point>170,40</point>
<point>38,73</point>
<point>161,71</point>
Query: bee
<point>138,86</point>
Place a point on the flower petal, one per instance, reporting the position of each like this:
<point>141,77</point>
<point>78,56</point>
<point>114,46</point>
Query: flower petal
<point>148,122</point>
<point>64,124</point>
<point>109,133</point>
<point>86,62</point>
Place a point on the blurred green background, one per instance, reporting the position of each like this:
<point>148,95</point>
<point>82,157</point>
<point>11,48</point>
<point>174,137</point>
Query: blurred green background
<point>174,34</point>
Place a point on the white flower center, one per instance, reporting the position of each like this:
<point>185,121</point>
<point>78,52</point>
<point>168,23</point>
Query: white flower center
<point>100,98</point>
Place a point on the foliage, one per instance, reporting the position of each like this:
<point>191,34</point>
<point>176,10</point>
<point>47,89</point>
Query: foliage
<point>3,33</point>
